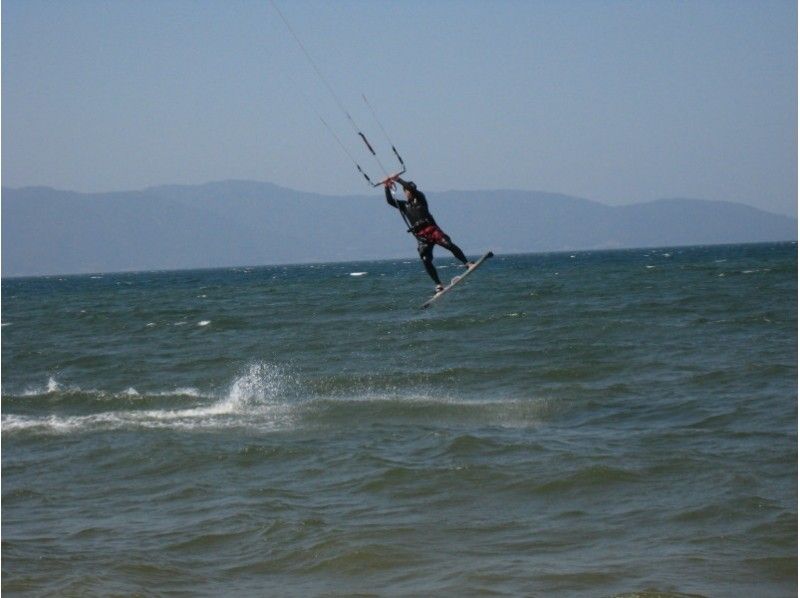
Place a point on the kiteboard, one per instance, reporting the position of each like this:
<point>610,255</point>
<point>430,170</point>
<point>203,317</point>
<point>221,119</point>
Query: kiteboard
<point>456,280</point>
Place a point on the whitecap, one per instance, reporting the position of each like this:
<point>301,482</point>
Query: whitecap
<point>358,273</point>
<point>186,391</point>
<point>204,322</point>
<point>255,398</point>
<point>52,386</point>
<point>183,391</point>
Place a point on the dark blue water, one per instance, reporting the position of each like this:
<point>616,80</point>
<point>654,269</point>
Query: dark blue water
<point>587,424</point>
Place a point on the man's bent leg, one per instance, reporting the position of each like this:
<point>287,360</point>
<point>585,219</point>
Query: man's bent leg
<point>455,250</point>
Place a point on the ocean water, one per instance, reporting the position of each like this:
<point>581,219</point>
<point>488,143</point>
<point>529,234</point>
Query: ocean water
<point>573,424</point>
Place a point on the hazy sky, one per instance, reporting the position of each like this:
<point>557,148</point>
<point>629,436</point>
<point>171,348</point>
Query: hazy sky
<point>614,101</point>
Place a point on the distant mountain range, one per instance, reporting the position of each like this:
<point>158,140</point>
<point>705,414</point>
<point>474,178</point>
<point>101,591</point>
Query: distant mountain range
<point>237,223</point>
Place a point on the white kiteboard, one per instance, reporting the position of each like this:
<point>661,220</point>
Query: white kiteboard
<point>456,280</point>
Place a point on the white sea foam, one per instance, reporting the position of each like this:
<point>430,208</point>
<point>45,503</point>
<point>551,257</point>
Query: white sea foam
<point>255,398</point>
<point>358,273</point>
<point>264,396</point>
<point>204,322</point>
<point>52,386</point>
<point>179,418</point>
<point>257,393</point>
<point>185,391</point>
<point>255,389</point>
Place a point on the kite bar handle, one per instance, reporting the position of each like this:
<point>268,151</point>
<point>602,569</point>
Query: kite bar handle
<point>391,178</point>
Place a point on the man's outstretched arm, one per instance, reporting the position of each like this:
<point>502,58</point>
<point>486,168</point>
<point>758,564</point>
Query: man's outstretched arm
<point>389,197</point>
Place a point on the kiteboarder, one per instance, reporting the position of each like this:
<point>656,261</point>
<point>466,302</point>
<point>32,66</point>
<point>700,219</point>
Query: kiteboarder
<point>422,225</point>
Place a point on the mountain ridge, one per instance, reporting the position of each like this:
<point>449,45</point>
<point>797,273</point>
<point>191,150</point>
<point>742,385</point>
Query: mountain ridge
<point>248,223</point>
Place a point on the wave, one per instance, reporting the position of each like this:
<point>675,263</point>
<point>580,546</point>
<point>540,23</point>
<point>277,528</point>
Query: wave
<point>58,394</point>
<point>414,407</point>
<point>263,396</point>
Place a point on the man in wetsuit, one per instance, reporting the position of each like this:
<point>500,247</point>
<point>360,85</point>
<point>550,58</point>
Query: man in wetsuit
<point>423,226</point>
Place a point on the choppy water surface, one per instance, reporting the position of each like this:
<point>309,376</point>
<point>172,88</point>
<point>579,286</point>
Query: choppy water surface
<point>586,424</point>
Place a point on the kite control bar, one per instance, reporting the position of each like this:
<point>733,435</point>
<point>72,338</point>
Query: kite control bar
<point>389,179</point>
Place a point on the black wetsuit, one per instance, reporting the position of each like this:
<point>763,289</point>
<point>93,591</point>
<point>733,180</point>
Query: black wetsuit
<point>425,229</point>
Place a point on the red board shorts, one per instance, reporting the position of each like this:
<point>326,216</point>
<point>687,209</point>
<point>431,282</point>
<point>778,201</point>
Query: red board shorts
<point>433,235</point>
